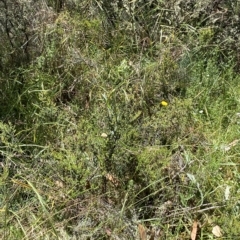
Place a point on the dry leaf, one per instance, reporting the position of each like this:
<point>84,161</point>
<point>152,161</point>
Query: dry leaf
<point>112,179</point>
<point>59,184</point>
<point>108,231</point>
<point>217,231</point>
<point>142,232</point>
<point>194,230</point>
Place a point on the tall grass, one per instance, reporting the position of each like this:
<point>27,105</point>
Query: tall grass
<point>118,132</point>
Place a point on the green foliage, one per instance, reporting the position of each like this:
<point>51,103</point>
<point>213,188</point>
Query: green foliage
<point>119,111</point>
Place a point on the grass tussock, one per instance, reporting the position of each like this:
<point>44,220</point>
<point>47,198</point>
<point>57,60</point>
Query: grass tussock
<point>121,122</point>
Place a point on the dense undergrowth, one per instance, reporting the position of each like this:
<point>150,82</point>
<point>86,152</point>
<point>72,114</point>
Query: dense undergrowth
<point>119,121</point>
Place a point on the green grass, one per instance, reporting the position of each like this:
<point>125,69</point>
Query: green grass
<point>87,150</point>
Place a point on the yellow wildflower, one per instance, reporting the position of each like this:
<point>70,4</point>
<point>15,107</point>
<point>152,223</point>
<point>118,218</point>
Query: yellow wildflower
<point>164,103</point>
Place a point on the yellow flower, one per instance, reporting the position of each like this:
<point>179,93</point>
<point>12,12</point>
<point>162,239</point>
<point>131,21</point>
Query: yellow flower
<point>164,103</point>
